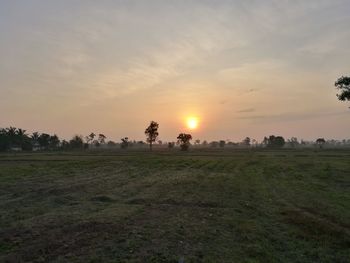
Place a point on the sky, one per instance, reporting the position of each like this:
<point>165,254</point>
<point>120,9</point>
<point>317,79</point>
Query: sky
<point>242,68</point>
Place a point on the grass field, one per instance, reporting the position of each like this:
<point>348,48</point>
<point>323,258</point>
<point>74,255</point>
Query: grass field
<point>216,206</point>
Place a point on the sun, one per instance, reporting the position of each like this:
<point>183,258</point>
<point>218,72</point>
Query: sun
<point>192,123</point>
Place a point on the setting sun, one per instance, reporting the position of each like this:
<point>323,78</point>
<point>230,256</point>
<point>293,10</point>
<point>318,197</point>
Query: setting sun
<point>192,123</point>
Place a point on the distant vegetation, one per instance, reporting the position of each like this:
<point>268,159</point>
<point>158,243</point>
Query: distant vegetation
<point>17,139</point>
<point>184,141</point>
<point>274,141</point>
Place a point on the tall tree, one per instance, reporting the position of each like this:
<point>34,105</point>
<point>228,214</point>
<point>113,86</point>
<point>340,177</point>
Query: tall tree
<point>152,133</point>
<point>90,138</point>
<point>343,85</point>
<point>4,140</point>
<point>54,141</point>
<point>76,142</point>
<point>22,139</point>
<point>184,141</point>
<point>44,140</point>
<point>12,136</point>
<point>35,138</point>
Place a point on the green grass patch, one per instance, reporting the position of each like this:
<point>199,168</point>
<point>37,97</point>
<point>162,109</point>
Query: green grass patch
<point>210,206</point>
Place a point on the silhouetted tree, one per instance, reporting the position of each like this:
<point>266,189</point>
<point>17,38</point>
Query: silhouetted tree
<point>125,143</point>
<point>246,141</point>
<point>293,142</point>
<point>275,141</point>
<point>171,145</point>
<point>12,136</point>
<point>26,144</point>
<point>254,142</point>
<point>90,138</point>
<point>152,133</point>
<point>214,144</point>
<point>21,136</point>
<point>54,141</point>
<point>265,141</point>
<point>111,143</point>
<point>141,143</point>
<point>184,140</point>
<point>4,140</point>
<point>44,141</point>
<point>222,143</point>
<point>343,84</point>
<point>101,138</point>
<point>96,143</point>
<point>76,142</point>
<point>65,145</point>
<point>22,140</point>
<point>35,138</point>
<point>320,142</point>
<point>232,144</point>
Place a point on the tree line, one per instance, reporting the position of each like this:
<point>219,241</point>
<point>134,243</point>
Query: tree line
<point>17,139</point>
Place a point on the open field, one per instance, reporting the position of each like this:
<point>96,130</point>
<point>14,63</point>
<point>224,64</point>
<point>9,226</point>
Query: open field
<point>216,206</point>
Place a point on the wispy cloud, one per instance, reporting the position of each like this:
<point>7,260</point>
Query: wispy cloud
<point>246,110</point>
<point>293,116</point>
<point>218,58</point>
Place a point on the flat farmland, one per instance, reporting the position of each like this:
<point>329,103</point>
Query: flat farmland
<point>200,206</point>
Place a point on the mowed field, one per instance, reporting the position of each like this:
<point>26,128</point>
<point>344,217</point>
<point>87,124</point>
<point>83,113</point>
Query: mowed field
<point>200,206</point>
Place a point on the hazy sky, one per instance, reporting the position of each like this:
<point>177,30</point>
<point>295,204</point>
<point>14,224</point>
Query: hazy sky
<point>244,68</point>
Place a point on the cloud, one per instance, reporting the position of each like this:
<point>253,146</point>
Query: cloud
<point>69,57</point>
<point>292,116</point>
<point>246,110</point>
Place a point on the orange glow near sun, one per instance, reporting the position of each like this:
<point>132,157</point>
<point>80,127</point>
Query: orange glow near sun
<point>192,123</point>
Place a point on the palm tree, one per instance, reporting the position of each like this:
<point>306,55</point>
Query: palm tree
<point>12,136</point>
<point>35,139</point>
<point>22,138</point>
<point>54,141</point>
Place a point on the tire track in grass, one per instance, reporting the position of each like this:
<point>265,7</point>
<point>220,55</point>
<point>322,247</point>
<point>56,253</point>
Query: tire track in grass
<point>302,224</point>
<point>199,164</point>
<point>211,164</point>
